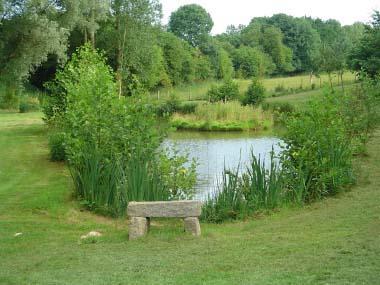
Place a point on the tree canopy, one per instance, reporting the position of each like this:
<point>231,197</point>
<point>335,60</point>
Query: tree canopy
<point>191,23</point>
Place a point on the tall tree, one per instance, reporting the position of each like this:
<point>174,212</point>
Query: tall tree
<point>128,37</point>
<point>366,56</point>
<point>191,23</point>
<point>29,33</point>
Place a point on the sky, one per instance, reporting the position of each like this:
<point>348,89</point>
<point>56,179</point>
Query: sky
<point>235,12</point>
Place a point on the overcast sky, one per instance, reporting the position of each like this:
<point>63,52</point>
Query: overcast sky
<point>235,12</point>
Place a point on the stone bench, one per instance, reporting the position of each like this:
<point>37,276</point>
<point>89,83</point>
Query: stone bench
<point>141,212</point>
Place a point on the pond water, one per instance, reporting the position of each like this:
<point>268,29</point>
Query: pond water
<point>215,151</point>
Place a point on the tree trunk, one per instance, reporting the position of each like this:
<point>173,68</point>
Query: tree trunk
<point>341,79</point>
<point>330,79</point>
<point>92,31</point>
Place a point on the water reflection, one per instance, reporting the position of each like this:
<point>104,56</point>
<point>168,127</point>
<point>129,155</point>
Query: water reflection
<point>214,151</point>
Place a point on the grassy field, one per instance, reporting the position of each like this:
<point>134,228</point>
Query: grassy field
<point>335,241</point>
<point>292,84</point>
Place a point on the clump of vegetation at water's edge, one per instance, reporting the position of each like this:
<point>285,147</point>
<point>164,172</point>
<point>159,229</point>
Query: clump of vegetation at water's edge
<point>220,116</point>
<point>111,144</point>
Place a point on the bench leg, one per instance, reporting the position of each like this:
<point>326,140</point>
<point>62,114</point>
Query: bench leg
<point>192,226</point>
<point>138,227</point>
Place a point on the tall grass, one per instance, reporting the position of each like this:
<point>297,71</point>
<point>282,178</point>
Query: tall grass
<point>262,186</point>
<point>107,185</point>
<point>224,116</point>
<point>240,194</point>
<point>227,202</point>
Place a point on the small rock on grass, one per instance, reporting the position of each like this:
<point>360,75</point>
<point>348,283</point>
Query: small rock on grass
<point>17,234</point>
<point>91,234</point>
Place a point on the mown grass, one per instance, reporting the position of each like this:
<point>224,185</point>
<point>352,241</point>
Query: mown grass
<point>335,241</point>
<point>291,85</point>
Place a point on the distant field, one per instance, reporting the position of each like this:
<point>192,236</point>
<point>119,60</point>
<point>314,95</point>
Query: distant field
<point>302,97</point>
<point>289,85</point>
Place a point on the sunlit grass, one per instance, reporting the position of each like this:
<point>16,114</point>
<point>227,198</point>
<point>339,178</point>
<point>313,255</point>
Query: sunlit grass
<point>292,84</point>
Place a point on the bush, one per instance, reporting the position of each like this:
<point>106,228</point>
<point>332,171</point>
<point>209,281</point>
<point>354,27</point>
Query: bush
<point>57,146</point>
<point>228,91</point>
<point>280,107</point>
<point>169,107</point>
<point>111,144</point>
<point>255,93</point>
<point>28,104</point>
<point>318,148</point>
<point>187,108</point>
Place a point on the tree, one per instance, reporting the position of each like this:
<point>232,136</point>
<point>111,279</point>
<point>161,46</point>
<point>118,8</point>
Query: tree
<point>179,62</point>
<point>272,43</point>
<point>300,37</point>
<point>91,12</point>
<point>366,56</point>
<point>221,62</point>
<point>249,62</point>
<point>128,37</point>
<point>255,93</point>
<point>334,48</point>
<point>29,33</point>
<point>191,23</point>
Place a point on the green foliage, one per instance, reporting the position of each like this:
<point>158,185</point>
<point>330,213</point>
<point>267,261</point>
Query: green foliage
<point>28,104</point>
<point>250,62</point>
<point>179,62</point>
<point>112,143</point>
<point>318,149</point>
<point>178,179</point>
<point>227,203</point>
<point>263,187</point>
<point>29,33</point>
<point>255,93</point>
<point>366,56</point>
<point>241,194</point>
<point>191,23</point>
<point>57,146</point>
<point>228,91</point>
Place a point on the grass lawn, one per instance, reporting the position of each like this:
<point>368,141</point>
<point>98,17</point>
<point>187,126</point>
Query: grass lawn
<point>336,241</point>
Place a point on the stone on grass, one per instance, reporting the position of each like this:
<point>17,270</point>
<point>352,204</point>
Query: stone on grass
<point>91,234</point>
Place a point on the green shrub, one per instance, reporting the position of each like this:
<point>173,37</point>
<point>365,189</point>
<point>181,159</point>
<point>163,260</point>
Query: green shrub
<point>112,144</point>
<point>28,104</point>
<point>57,146</point>
<point>318,147</point>
<point>187,108</point>
<point>228,91</point>
<point>255,93</point>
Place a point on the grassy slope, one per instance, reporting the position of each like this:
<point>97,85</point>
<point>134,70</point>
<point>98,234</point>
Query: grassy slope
<point>198,91</point>
<point>332,242</point>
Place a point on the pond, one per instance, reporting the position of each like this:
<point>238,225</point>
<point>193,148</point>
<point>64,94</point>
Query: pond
<point>215,151</point>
